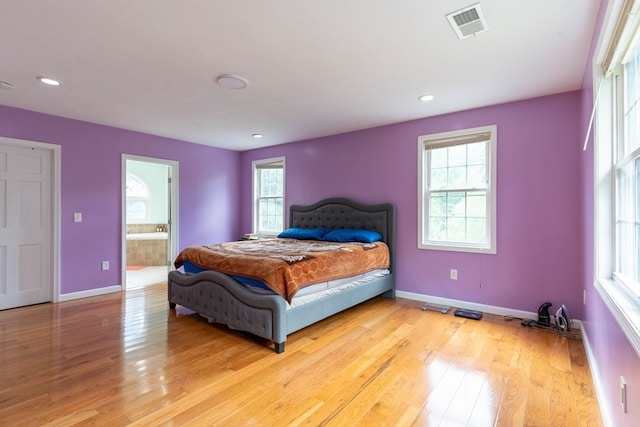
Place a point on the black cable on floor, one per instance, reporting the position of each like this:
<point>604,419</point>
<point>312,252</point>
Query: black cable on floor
<point>534,324</point>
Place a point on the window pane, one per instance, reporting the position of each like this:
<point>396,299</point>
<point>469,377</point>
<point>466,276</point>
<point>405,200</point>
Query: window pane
<point>438,207</point>
<point>439,158</point>
<point>458,155</point>
<point>458,217</point>
<point>456,230</point>
<point>438,178</point>
<point>270,215</point>
<point>477,153</point>
<point>137,198</point>
<point>628,219</point>
<point>457,167</point>
<point>457,177</point>
<point>136,187</point>
<point>636,243</point>
<point>476,177</point>
<point>476,230</point>
<point>136,209</point>
<point>438,228</point>
<point>456,206</point>
<point>477,205</point>
<point>632,104</point>
<point>271,182</point>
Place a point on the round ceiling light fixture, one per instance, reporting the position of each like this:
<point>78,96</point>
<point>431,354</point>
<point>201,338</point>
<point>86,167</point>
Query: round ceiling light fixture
<point>231,81</point>
<point>426,98</point>
<point>257,135</point>
<point>48,81</point>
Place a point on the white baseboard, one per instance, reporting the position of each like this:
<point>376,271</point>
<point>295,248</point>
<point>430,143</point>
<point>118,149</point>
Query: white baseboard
<point>468,305</point>
<point>600,391</point>
<point>90,293</point>
<point>501,311</point>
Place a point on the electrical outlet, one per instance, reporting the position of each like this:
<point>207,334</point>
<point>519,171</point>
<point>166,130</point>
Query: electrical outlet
<point>77,217</point>
<point>105,265</point>
<point>453,274</point>
<point>623,394</point>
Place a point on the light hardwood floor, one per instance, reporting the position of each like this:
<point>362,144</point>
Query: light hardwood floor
<point>126,359</point>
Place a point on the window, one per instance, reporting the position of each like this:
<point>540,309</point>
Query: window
<point>268,200</point>
<point>457,190</point>
<point>627,167</point>
<point>137,194</point>
<point>617,163</point>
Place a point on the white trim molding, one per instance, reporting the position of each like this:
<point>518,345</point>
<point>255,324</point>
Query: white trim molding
<point>601,394</point>
<point>90,293</point>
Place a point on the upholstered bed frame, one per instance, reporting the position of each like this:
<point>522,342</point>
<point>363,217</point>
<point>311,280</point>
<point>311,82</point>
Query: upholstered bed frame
<point>221,299</point>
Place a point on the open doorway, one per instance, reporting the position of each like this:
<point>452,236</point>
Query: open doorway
<point>149,195</point>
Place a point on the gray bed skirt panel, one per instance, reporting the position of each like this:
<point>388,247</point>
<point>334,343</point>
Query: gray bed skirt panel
<point>221,299</point>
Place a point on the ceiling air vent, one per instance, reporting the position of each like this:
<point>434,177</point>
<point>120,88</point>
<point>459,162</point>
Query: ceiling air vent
<point>468,21</point>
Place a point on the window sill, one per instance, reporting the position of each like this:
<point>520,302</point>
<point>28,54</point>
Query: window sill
<point>457,248</point>
<point>624,307</point>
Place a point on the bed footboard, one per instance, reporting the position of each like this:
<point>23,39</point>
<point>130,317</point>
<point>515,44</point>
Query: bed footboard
<point>223,300</point>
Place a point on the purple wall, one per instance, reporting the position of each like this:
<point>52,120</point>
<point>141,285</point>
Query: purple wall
<point>91,184</point>
<point>545,207</point>
<point>611,350</point>
<point>538,199</point>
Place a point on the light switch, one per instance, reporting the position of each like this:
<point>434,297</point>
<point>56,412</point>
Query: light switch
<point>77,217</point>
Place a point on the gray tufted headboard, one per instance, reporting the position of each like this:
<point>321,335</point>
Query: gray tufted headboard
<point>338,212</point>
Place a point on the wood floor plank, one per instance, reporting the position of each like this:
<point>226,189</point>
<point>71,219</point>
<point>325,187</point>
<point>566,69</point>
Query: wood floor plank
<point>125,359</point>
<point>514,399</point>
<point>485,410</point>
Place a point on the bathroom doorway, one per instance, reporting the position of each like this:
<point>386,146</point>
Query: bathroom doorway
<point>149,201</point>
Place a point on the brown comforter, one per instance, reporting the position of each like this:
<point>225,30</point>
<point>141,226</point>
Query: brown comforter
<point>286,265</point>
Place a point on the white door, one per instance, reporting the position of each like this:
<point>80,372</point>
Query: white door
<point>25,226</point>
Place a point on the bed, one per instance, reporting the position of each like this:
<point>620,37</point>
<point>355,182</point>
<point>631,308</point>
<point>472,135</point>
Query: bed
<point>223,299</point>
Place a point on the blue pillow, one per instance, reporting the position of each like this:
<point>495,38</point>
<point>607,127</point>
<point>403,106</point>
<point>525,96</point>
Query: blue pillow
<point>352,235</point>
<point>304,233</point>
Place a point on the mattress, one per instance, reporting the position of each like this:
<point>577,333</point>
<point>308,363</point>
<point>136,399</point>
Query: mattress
<point>322,290</point>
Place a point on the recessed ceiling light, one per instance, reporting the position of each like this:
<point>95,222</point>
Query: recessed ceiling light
<point>257,135</point>
<point>426,98</point>
<point>49,81</point>
<point>230,81</point>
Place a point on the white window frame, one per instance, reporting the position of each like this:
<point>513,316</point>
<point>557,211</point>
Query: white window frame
<point>490,247</point>
<point>256,165</point>
<point>620,297</point>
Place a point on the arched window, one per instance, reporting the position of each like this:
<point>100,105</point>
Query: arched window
<point>137,198</point>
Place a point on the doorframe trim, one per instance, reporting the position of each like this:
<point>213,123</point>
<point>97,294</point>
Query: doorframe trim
<point>173,229</point>
<point>56,192</point>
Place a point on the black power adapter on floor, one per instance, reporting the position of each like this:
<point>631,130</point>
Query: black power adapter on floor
<point>469,314</point>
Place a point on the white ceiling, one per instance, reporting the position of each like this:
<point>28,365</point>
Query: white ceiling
<point>315,68</point>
